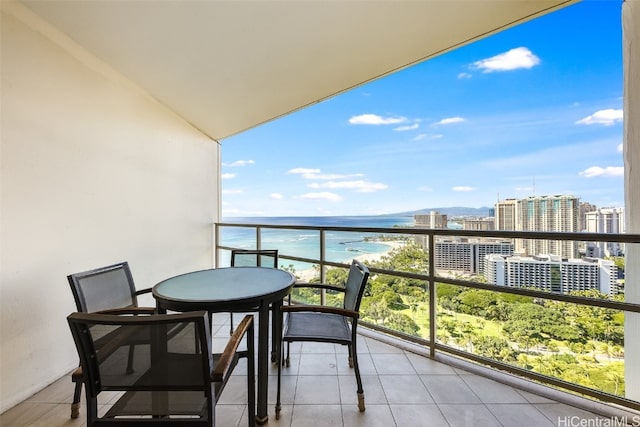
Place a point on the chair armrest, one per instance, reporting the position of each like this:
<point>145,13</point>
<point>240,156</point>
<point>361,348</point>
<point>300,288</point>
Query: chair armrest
<point>318,286</point>
<point>321,309</point>
<point>143,291</point>
<point>220,371</point>
<point>129,310</point>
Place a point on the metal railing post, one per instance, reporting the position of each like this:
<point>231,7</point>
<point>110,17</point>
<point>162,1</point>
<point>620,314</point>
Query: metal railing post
<point>432,296</point>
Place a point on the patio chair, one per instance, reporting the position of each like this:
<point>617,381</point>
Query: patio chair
<point>260,258</point>
<point>103,288</point>
<point>176,379</point>
<point>318,323</point>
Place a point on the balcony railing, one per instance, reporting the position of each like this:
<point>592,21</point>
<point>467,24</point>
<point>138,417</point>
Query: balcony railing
<point>580,349</point>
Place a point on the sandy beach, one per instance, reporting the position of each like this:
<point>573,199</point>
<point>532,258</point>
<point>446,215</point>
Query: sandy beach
<point>306,275</point>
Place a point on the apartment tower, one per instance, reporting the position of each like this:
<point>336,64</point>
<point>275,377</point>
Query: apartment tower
<point>557,213</point>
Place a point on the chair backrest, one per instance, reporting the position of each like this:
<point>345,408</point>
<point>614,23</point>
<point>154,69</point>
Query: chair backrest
<point>356,283</point>
<point>254,258</point>
<point>103,288</point>
<point>162,360</point>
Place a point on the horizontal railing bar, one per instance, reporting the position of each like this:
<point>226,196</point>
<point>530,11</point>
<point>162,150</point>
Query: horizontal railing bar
<point>539,235</point>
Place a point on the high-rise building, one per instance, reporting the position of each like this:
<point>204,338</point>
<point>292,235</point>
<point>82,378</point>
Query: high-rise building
<point>582,216</point>
<point>431,220</point>
<point>605,221</point>
<point>505,215</point>
<point>478,224</point>
<point>552,273</point>
<point>462,255</point>
<point>557,213</point>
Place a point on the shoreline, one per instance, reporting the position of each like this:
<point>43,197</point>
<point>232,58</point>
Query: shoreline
<point>308,274</point>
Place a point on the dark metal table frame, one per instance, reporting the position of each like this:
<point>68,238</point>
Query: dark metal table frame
<point>233,289</point>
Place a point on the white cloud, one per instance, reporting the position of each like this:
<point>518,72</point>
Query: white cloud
<point>315,174</point>
<point>360,186</point>
<point>620,148</point>
<point>449,121</point>
<point>303,171</point>
<point>407,127</point>
<point>427,136</point>
<point>239,163</point>
<point>374,119</point>
<point>464,76</point>
<point>603,117</point>
<point>514,59</point>
<point>462,188</point>
<point>321,196</point>
<point>598,171</point>
<point>276,196</point>
<point>228,175</point>
<point>327,176</point>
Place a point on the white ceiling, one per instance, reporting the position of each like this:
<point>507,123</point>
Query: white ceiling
<point>227,66</point>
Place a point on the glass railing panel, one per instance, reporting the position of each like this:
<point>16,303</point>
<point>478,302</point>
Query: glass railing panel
<point>576,343</point>
<point>298,243</point>
<point>343,246</point>
<point>397,303</point>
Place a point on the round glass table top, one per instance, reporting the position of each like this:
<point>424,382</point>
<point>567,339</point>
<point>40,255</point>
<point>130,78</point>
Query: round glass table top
<point>224,284</point>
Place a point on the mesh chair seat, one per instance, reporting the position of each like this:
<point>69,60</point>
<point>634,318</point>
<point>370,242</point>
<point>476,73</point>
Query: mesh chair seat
<point>322,327</point>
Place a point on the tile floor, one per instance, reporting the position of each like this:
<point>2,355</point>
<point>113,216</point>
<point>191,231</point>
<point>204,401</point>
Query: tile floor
<point>401,389</point>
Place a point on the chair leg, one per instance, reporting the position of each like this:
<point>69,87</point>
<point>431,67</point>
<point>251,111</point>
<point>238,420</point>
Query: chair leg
<point>356,368</point>
<point>231,319</point>
<point>350,355</point>
<point>287,360</point>
<point>75,405</point>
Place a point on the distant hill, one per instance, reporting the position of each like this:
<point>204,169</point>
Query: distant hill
<point>450,212</point>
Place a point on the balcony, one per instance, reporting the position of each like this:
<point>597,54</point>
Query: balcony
<point>109,154</point>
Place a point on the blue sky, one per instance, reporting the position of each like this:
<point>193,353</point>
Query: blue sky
<point>533,110</point>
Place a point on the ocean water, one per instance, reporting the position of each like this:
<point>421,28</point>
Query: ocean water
<point>339,246</point>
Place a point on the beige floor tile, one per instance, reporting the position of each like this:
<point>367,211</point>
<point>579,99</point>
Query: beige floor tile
<point>417,415</point>
<point>318,364</point>
<point>392,364</point>
<point>316,416</point>
<point>373,416</point>
<point>449,389</point>
<point>365,363</point>
<point>424,365</point>
<point>519,415</point>
<point>466,415</point>
<point>373,392</point>
<point>380,347</point>
<point>401,389</point>
<point>317,390</point>
<point>490,391</point>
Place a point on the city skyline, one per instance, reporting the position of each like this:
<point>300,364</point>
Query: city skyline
<point>533,110</point>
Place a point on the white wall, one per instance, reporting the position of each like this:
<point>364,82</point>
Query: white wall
<point>93,171</point>
<point>631,43</point>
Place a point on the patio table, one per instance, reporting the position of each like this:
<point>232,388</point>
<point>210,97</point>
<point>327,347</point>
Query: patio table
<point>232,289</point>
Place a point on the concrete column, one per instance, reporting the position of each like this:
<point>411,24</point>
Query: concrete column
<point>631,139</point>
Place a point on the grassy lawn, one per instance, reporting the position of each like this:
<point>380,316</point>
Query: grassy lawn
<point>421,317</point>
